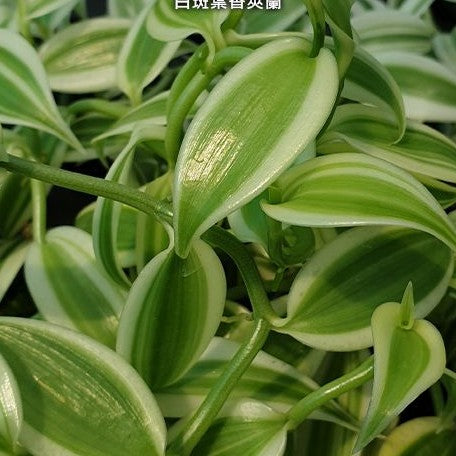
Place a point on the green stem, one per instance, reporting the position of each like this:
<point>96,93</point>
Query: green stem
<point>39,210</point>
<point>195,428</point>
<point>298,413</point>
<point>225,241</point>
<point>88,184</point>
<point>450,373</point>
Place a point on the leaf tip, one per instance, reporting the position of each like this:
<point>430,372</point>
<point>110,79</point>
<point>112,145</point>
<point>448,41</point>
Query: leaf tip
<point>407,307</point>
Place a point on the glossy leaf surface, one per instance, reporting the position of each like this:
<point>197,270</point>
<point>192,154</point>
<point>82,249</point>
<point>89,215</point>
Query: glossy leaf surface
<point>172,312</point>
<point>69,287</point>
<point>334,295</point>
<point>82,57</point>
<point>107,408</point>
<point>248,131</point>
<point>355,189</point>
<point>409,358</point>
<point>26,98</point>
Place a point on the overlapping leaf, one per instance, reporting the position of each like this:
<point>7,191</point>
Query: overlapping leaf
<point>355,189</point>
<point>69,288</point>
<point>126,8</point>
<point>26,98</point>
<point>173,310</point>
<point>422,150</point>
<point>444,46</point>
<point>12,257</point>
<point>417,7</point>
<point>78,397</point>
<point>333,297</point>
<point>38,8</point>
<point>82,57</point>
<point>251,127</point>
<point>142,58</point>
<point>428,87</point>
<point>409,358</point>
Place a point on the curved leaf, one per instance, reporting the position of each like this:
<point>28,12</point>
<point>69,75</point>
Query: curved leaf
<point>142,59</point>
<point>428,87</point>
<point>68,286</point>
<point>173,310</point>
<point>11,416</point>
<point>126,8</point>
<point>26,98</point>
<point>444,46</point>
<point>38,8</point>
<point>356,189</point>
<point>82,57</point>
<point>409,358</point>
<point>333,297</point>
<point>12,257</point>
<point>422,150</point>
<point>251,127</point>
<point>388,30</point>
<point>79,398</point>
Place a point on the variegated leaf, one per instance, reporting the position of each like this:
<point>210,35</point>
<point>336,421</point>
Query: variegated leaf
<point>417,7</point>
<point>82,57</point>
<point>409,358</point>
<point>355,189</point>
<point>444,46</point>
<point>26,98</point>
<point>38,8</point>
<point>78,397</point>
<point>173,310</point>
<point>422,150</point>
<point>333,297</point>
<point>126,8</point>
<point>244,145</point>
<point>69,288</point>
<point>12,257</point>
<point>142,58</point>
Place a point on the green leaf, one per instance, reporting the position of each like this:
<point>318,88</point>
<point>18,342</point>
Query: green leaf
<point>268,380</point>
<point>229,127</point>
<point>248,428</point>
<point>388,30</point>
<point>12,257</point>
<point>444,46</point>
<point>78,397</point>
<point>444,193</point>
<point>333,297</point>
<point>142,59</point>
<point>82,57</point>
<point>69,287</point>
<point>152,111</point>
<point>107,212</point>
<point>408,360</point>
<point>428,87</point>
<point>422,150</point>
<point>419,437</point>
<point>3,151</point>
<point>38,8</point>
<point>417,7</point>
<point>26,98</point>
<point>166,23</point>
<point>11,416</point>
<point>355,189</point>
<point>173,310</point>
<point>126,8</point>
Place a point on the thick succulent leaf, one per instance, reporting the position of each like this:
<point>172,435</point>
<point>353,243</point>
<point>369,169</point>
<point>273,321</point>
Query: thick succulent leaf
<point>142,59</point>
<point>355,189</point>
<point>422,150</point>
<point>107,212</point>
<point>78,397</point>
<point>408,360</point>
<point>333,297</point>
<point>26,98</point>
<point>444,46</point>
<point>12,257</point>
<point>255,21</point>
<point>420,437</point>
<point>151,236</point>
<point>367,81</point>
<point>393,30</point>
<point>126,8</point>
<point>428,87</point>
<point>152,111</point>
<point>267,379</point>
<point>82,57</point>
<point>126,233</point>
<point>38,8</point>
<point>11,416</point>
<point>248,428</point>
<point>69,287</point>
<point>166,23</point>
<point>173,310</point>
<point>242,144</point>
